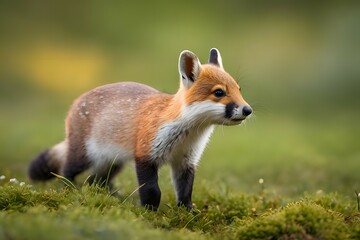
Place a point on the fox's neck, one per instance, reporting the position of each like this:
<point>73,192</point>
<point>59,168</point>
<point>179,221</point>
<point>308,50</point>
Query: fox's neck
<point>170,107</point>
<point>175,108</point>
<point>173,124</point>
<point>185,131</point>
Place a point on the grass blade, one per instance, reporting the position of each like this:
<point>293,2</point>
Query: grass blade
<point>132,193</point>
<point>66,181</point>
<point>109,172</point>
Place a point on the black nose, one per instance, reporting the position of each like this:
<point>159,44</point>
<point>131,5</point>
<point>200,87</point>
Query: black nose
<point>246,110</point>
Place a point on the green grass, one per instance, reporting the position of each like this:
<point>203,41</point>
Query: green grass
<point>92,213</point>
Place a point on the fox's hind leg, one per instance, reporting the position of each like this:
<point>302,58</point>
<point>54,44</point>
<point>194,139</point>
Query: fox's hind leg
<point>76,161</point>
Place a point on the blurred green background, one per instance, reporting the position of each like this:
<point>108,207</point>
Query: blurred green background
<point>298,63</point>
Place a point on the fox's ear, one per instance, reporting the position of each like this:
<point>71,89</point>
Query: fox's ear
<point>215,58</point>
<point>189,67</point>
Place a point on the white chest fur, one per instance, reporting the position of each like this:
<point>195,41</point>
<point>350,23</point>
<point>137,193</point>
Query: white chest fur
<point>184,139</point>
<point>177,143</point>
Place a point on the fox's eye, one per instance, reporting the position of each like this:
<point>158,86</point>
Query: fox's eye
<point>219,93</point>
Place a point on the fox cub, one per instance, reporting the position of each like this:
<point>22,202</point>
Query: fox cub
<point>112,124</point>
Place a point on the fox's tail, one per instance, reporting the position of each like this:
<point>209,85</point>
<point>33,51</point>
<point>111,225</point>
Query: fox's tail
<point>51,160</point>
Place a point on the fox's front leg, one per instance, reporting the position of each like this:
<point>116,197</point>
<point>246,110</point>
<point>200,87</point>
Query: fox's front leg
<point>150,194</point>
<point>183,180</point>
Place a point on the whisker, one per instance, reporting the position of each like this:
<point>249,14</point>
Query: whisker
<point>202,122</point>
<point>260,108</point>
<point>222,127</point>
<point>241,77</point>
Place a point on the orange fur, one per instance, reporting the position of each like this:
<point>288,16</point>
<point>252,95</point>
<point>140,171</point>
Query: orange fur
<point>210,79</point>
<point>156,110</point>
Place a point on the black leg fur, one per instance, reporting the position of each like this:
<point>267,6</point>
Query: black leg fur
<point>40,168</point>
<point>150,194</point>
<point>76,163</point>
<point>183,180</point>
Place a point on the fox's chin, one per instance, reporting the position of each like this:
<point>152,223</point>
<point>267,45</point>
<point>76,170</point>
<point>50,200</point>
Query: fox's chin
<point>232,122</point>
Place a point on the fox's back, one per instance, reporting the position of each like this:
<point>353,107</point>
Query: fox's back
<point>108,114</point>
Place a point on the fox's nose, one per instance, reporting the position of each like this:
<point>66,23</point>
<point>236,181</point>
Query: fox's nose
<point>246,111</point>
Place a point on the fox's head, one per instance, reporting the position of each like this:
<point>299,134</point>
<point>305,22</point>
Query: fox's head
<point>210,93</point>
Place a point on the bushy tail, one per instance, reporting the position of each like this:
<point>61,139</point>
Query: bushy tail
<point>51,160</point>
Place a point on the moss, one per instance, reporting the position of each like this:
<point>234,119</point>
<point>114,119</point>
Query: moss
<point>19,198</point>
<point>300,220</point>
<point>83,223</point>
<point>92,213</point>
<point>334,201</point>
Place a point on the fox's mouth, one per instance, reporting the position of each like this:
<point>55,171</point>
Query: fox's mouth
<point>234,121</point>
<point>237,119</point>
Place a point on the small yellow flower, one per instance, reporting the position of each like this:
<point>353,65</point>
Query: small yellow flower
<point>261,181</point>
